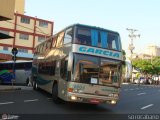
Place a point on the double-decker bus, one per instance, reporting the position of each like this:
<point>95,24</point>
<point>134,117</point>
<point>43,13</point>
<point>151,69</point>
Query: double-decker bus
<point>81,63</point>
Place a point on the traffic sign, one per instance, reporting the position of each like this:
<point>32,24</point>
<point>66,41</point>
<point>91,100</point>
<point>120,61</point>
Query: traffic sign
<point>14,51</point>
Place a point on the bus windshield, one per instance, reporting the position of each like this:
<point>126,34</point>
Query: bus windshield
<point>97,38</point>
<point>93,70</point>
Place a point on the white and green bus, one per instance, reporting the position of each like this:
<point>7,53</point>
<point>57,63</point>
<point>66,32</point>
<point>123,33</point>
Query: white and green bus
<point>81,63</point>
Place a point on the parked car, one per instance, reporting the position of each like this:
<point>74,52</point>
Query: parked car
<point>141,80</point>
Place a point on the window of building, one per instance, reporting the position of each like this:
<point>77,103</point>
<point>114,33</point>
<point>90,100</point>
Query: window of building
<point>41,39</point>
<point>5,48</point>
<point>43,24</point>
<point>23,50</point>
<point>25,20</point>
<point>24,36</point>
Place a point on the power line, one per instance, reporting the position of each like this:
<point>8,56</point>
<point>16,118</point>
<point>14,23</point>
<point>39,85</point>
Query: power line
<point>25,27</point>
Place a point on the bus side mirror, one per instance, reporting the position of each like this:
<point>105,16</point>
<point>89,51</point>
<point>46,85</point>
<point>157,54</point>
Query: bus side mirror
<point>70,61</point>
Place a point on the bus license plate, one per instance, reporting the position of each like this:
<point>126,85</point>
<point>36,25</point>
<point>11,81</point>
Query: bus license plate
<point>94,101</point>
<point>94,80</point>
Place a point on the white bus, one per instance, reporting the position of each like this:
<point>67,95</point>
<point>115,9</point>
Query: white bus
<point>22,71</point>
<point>81,63</point>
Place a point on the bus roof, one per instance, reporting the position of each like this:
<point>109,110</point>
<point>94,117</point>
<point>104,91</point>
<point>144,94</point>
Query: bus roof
<point>77,24</point>
<point>95,27</point>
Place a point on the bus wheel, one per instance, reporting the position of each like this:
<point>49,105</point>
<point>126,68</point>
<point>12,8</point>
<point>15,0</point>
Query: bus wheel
<point>55,97</point>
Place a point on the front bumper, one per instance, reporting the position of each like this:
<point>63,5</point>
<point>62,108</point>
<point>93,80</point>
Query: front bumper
<point>92,99</point>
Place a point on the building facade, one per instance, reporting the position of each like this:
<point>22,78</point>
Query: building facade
<point>152,50</point>
<point>7,13</point>
<point>149,52</point>
<point>27,31</point>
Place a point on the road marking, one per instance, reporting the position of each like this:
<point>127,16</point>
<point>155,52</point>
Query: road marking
<point>125,89</point>
<point>146,106</point>
<point>49,98</point>
<point>31,100</point>
<point>131,89</point>
<point>137,88</point>
<point>5,103</point>
<point>141,94</point>
<point>158,90</point>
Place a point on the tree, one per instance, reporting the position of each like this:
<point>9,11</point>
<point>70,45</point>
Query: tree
<point>124,55</point>
<point>146,67</point>
<point>156,65</point>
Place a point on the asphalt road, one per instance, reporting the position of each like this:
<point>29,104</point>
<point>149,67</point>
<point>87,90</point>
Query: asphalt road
<point>133,100</point>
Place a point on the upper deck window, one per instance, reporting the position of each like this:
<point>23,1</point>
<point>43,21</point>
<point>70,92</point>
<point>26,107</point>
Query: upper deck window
<point>83,36</point>
<point>68,36</point>
<point>113,41</point>
<point>97,38</point>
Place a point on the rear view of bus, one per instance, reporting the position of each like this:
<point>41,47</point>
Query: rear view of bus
<point>96,66</point>
<point>80,64</point>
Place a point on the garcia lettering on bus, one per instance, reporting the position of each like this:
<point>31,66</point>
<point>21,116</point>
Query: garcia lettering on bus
<point>96,51</point>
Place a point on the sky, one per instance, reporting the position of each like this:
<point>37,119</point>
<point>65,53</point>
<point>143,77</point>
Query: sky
<point>116,15</point>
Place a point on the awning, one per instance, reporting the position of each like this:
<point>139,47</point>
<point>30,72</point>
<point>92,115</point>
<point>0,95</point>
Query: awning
<point>5,36</point>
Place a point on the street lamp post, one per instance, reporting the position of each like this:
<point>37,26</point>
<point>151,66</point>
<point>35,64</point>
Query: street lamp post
<point>131,46</point>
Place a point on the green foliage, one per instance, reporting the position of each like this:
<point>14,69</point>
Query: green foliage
<point>146,67</point>
<point>124,55</point>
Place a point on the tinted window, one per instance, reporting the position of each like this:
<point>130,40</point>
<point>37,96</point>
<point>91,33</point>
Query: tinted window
<point>83,36</point>
<point>97,38</point>
<point>113,41</point>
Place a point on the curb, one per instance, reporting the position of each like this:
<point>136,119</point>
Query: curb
<point>9,89</point>
<point>126,83</point>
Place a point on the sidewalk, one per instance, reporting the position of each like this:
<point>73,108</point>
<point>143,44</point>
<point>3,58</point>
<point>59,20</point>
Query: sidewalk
<point>153,85</point>
<point>14,87</point>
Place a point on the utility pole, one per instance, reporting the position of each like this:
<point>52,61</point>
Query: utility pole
<point>14,52</point>
<point>131,47</point>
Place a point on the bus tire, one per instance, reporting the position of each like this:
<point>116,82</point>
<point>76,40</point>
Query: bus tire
<point>55,97</point>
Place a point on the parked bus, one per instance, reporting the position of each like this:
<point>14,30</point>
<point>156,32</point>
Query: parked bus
<point>22,68</point>
<point>81,63</point>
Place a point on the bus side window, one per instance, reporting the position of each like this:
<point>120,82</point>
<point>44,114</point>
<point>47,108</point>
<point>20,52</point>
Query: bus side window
<point>54,41</point>
<point>63,69</point>
<point>60,39</point>
<point>52,68</point>
<point>68,36</point>
<point>113,42</point>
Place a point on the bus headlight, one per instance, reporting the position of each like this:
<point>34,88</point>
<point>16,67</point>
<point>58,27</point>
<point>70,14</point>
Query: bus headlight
<point>73,97</point>
<point>113,102</point>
